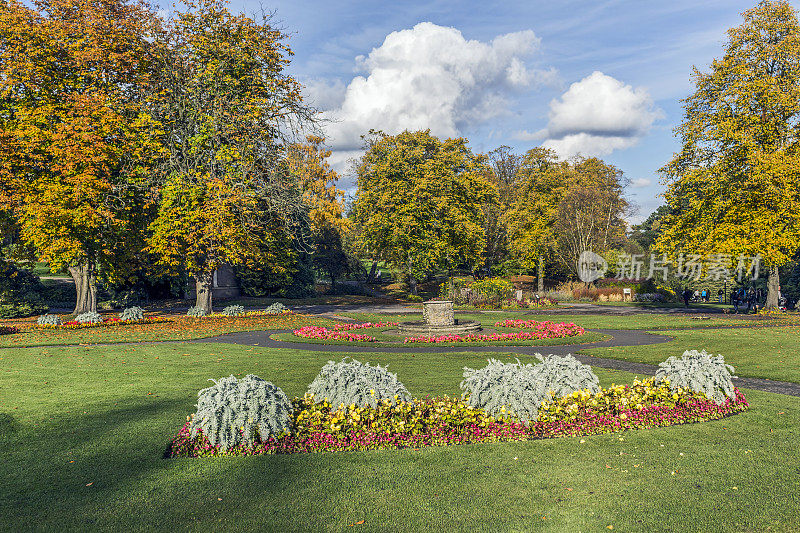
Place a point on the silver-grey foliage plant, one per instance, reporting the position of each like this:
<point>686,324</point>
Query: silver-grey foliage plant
<point>91,317</point>
<point>241,411</point>
<point>519,389</point>
<point>233,310</point>
<point>49,320</point>
<point>700,372</point>
<point>196,311</point>
<point>352,382</point>
<point>132,313</point>
<point>275,309</point>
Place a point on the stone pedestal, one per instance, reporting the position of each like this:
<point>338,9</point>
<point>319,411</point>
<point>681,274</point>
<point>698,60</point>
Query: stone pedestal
<point>438,313</point>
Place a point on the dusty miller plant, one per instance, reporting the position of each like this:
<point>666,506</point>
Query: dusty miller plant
<point>241,411</point>
<point>519,389</point>
<point>131,313</point>
<point>352,382</point>
<point>700,372</point>
<point>49,320</point>
<point>196,311</point>
<point>275,309</point>
<point>233,310</point>
<point>92,317</point>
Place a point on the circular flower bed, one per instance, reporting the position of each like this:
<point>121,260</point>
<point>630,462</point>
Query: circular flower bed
<point>340,332</point>
<point>443,421</point>
<point>542,330</point>
<point>562,329</point>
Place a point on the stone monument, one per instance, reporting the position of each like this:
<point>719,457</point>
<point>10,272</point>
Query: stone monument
<point>438,319</point>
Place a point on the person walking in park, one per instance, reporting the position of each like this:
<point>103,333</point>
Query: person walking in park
<point>687,294</point>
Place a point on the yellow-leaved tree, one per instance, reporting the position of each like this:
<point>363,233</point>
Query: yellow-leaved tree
<point>734,186</point>
<point>74,139</point>
<point>229,109</point>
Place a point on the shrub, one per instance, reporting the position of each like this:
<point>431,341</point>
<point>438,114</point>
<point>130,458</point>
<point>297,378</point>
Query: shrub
<point>504,388</point>
<point>20,291</point>
<point>275,309</point>
<point>493,288</point>
<point>196,311</point>
<point>355,383</point>
<point>49,320</point>
<point>701,372</point>
<point>132,313</point>
<point>92,317</point>
<point>8,330</point>
<point>233,310</point>
<point>243,411</point>
<point>521,388</point>
<point>414,298</point>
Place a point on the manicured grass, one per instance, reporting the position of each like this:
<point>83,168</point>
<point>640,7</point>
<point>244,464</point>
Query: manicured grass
<point>637,321</point>
<point>84,429</point>
<point>180,328</point>
<point>387,339</point>
<point>771,353</point>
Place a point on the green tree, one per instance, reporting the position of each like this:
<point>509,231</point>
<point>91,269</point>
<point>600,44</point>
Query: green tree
<point>420,203</point>
<point>734,186</point>
<point>646,233</point>
<point>226,194</point>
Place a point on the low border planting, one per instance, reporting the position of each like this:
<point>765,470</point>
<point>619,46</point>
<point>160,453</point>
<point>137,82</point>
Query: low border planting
<point>341,332</point>
<point>379,419</point>
<point>541,330</point>
<point>110,322</point>
<point>8,330</point>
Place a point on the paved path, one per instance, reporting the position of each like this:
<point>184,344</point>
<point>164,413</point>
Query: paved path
<point>619,337</point>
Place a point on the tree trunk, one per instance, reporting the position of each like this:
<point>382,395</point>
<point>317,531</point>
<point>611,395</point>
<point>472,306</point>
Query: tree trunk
<point>371,276</point>
<point>540,276</point>
<point>85,288</point>
<point>773,287</point>
<point>412,284</point>
<point>204,285</point>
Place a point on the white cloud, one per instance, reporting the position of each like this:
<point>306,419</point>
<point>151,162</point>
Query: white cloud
<point>430,76</point>
<point>638,183</point>
<point>324,94</point>
<point>598,115</point>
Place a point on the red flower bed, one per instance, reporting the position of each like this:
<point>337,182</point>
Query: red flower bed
<point>321,333</point>
<point>542,330</point>
<point>365,325</point>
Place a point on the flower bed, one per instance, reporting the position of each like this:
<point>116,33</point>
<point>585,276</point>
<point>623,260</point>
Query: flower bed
<point>8,330</point>
<point>116,321</point>
<point>365,325</point>
<point>566,329</point>
<point>339,332</point>
<point>543,330</point>
<point>246,314</point>
<point>443,421</point>
<point>321,333</point>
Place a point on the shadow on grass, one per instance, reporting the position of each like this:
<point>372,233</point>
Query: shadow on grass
<point>106,469</point>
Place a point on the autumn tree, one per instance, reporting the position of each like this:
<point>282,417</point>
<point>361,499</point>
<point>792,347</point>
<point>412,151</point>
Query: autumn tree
<point>504,174</point>
<point>420,203</point>
<point>734,186</point>
<point>530,219</point>
<point>564,208</point>
<point>229,109</point>
<point>75,139</point>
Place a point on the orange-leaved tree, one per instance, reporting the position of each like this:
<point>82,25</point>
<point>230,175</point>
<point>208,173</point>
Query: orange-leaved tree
<point>229,109</point>
<point>75,141</point>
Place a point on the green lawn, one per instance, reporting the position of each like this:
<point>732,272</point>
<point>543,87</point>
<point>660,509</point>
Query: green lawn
<point>637,321</point>
<point>84,430</point>
<point>772,353</point>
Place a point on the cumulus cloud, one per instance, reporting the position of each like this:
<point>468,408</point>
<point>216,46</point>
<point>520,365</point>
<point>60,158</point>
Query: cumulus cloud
<point>638,183</point>
<point>430,76</point>
<point>596,116</point>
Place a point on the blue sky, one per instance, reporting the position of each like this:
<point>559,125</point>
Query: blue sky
<point>589,77</point>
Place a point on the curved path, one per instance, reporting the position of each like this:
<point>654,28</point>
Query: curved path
<point>619,337</point>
